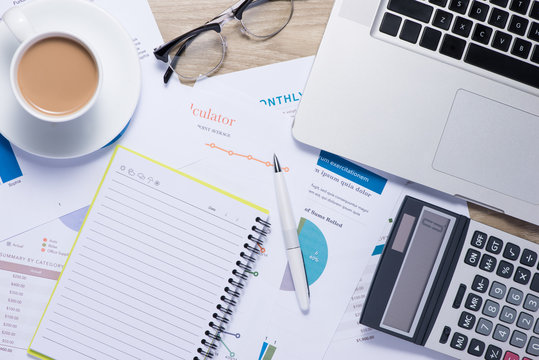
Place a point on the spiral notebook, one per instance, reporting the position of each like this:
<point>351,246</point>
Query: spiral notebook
<point>156,269</point>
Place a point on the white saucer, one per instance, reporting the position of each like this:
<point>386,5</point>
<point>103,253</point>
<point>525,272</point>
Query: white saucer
<point>119,93</point>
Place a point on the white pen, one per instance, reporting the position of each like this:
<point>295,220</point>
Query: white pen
<point>291,241</point>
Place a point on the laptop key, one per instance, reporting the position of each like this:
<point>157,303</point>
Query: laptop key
<point>521,48</point>
<point>482,34</point>
<point>503,65</point>
<point>535,54</point>
<point>479,11</point>
<point>459,6</point>
<point>452,46</point>
<point>534,31</point>
<point>411,8</point>
<point>462,26</point>
<point>442,19</point>
<point>518,25</point>
<point>534,12</point>
<point>520,6</point>
<point>441,3</point>
<point>502,3</point>
<point>390,24</point>
<point>410,31</point>
<point>430,39</point>
<point>501,41</point>
<point>498,18</point>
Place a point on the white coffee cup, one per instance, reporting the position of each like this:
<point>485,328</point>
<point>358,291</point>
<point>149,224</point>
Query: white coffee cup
<point>55,76</point>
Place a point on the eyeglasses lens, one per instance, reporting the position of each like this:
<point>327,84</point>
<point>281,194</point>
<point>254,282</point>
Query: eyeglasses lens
<point>265,18</point>
<point>198,56</point>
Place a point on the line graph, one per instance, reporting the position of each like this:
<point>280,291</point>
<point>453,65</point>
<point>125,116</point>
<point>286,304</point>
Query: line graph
<point>247,157</point>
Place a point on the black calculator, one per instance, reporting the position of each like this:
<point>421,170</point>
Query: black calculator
<point>456,286</point>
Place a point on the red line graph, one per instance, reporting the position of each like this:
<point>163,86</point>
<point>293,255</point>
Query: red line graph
<point>247,157</point>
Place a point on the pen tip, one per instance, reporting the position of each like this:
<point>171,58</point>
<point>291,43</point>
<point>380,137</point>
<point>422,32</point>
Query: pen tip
<point>276,165</point>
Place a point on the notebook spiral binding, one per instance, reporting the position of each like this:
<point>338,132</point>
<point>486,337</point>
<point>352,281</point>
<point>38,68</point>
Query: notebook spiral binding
<point>232,293</point>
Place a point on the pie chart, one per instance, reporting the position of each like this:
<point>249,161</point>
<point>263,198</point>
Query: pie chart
<point>315,254</point>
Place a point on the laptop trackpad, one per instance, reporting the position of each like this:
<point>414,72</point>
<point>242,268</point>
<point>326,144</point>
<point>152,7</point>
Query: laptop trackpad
<point>491,144</point>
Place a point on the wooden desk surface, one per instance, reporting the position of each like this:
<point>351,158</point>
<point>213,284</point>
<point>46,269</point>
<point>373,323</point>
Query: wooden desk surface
<point>300,38</point>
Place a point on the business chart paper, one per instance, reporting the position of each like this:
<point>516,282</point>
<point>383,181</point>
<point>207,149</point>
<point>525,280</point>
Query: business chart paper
<point>30,264</point>
<point>283,83</point>
<point>53,188</point>
<point>340,208</point>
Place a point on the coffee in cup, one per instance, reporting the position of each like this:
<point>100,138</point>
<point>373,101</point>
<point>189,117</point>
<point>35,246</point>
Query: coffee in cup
<point>57,75</point>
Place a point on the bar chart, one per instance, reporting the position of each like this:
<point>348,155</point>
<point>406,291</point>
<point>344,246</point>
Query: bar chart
<point>9,166</point>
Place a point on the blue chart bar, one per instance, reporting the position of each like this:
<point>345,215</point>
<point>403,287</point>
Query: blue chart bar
<point>263,350</point>
<point>9,167</point>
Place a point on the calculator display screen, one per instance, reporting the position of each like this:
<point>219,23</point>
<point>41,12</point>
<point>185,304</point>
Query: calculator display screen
<point>417,272</point>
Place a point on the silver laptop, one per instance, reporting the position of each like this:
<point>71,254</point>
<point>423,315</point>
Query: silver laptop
<point>441,92</point>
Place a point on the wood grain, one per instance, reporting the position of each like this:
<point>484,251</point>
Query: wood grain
<point>300,38</point>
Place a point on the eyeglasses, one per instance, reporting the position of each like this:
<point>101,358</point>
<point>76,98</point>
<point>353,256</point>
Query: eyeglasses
<point>200,52</point>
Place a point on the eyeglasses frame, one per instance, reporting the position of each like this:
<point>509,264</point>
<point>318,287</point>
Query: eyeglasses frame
<point>235,12</point>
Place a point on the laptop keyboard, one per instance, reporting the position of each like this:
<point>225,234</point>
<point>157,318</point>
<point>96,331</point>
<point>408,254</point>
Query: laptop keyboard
<point>500,36</point>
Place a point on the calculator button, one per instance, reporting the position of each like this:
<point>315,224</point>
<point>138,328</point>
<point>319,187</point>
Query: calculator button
<point>493,353</point>
<point>480,284</point>
<point>491,308</point>
<point>528,257</point>
<point>501,333</point>
<point>476,347</point>
<point>522,275</point>
<point>459,296</point>
<point>533,346</point>
<point>497,290</point>
<point>484,327</point>
<point>466,320</point>
<point>536,328</point>
<point>479,239</point>
<point>511,251</point>
<point>494,245</point>
<point>473,302</point>
<point>508,315</point>
<point>525,321</point>
<point>531,302</point>
<point>518,339</point>
<point>505,269</point>
<point>472,257</point>
<point>510,356</point>
<point>488,263</point>
<point>535,283</point>
<point>459,341</point>
<point>515,296</point>
<point>445,334</point>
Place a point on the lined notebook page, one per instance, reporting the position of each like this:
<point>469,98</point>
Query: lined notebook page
<point>148,268</point>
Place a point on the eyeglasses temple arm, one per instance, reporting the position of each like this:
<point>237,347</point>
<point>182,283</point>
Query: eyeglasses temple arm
<point>174,61</point>
<point>238,12</point>
<point>161,52</point>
